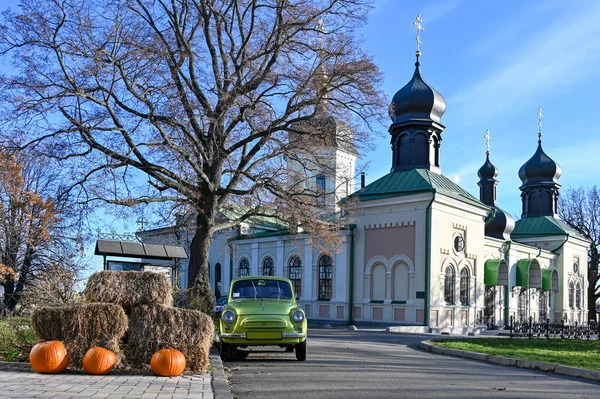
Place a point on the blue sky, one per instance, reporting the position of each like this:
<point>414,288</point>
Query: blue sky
<point>495,62</point>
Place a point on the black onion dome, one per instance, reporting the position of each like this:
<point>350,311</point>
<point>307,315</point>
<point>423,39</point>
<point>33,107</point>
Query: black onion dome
<point>540,169</point>
<point>501,226</point>
<point>417,100</point>
<point>488,170</point>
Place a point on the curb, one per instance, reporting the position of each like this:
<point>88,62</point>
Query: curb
<point>427,346</point>
<point>219,383</point>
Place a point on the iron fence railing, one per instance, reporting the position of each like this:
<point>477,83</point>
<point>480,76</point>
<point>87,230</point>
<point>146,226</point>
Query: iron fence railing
<point>546,329</point>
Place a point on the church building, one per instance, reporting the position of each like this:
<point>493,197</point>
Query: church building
<point>421,251</point>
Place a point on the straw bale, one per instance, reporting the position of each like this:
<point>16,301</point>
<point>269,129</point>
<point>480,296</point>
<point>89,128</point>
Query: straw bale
<point>128,289</point>
<point>82,326</point>
<point>152,328</point>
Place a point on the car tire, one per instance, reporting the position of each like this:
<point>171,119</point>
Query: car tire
<point>226,351</point>
<point>301,351</point>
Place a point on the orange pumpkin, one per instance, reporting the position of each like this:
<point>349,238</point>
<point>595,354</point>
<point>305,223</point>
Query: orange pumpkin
<point>167,363</point>
<point>98,360</point>
<point>49,357</point>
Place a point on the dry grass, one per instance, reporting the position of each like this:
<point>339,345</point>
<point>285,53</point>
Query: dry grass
<point>128,289</point>
<point>157,327</point>
<point>81,326</point>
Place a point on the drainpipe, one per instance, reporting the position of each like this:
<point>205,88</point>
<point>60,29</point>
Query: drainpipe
<point>506,291</point>
<point>229,241</point>
<point>351,296</point>
<point>492,217</point>
<point>427,258</point>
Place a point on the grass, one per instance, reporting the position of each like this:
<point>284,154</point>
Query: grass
<point>567,352</point>
<point>16,339</point>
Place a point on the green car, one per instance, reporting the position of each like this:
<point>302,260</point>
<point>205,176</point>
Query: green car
<point>262,311</point>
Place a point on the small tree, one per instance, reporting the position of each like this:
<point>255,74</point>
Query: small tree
<point>580,208</point>
<point>191,101</point>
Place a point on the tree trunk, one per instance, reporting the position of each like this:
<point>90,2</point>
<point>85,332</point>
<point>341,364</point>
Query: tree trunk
<point>17,288</point>
<point>199,294</point>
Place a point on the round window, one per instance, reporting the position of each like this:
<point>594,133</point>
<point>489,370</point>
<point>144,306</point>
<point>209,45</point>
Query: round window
<point>459,243</point>
<point>575,267</point>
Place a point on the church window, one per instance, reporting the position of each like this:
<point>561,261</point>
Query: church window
<point>578,296</point>
<point>459,243</point>
<point>295,271</point>
<point>325,275</point>
<point>571,294</point>
<point>464,286</point>
<point>321,189</point>
<point>449,285</point>
<point>244,267</point>
<point>268,268</point>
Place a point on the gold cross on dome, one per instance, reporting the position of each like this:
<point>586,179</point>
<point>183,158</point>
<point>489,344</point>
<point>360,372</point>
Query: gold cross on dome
<point>540,117</point>
<point>420,28</point>
<point>488,137</point>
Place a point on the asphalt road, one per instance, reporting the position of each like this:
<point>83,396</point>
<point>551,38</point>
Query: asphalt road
<point>369,364</point>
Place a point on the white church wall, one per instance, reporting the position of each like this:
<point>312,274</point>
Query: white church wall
<point>449,219</point>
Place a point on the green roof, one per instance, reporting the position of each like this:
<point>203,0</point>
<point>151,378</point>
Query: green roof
<point>397,184</point>
<point>543,226</point>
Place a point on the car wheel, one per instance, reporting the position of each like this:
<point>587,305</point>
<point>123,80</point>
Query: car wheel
<point>301,351</point>
<point>226,351</point>
<point>289,348</point>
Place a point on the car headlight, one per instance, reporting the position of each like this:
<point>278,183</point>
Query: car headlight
<point>298,316</point>
<point>228,316</point>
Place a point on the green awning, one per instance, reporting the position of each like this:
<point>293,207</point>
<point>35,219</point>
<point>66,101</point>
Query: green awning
<point>550,280</point>
<point>495,272</point>
<point>529,273</point>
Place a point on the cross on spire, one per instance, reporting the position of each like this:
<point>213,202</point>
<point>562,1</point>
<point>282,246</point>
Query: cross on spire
<point>420,28</point>
<point>488,137</point>
<point>540,117</point>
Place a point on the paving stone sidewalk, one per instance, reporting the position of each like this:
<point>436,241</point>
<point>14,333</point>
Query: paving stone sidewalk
<point>19,381</point>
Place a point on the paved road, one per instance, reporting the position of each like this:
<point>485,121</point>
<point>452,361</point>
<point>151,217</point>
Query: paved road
<point>368,364</point>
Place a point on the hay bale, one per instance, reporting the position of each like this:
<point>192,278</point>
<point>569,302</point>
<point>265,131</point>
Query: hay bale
<point>152,328</point>
<point>81,326</point>
<point>128,289</point>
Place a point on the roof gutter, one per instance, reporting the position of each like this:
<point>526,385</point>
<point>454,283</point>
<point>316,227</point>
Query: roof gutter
<point>492,217</point>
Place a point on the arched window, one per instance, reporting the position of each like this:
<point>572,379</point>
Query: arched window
<point>325,275</point>
<point>464,286</point>
<point>578,296</point>
<point>571,294</point>
<point>449,285</point>
<point>295,272</point>
<point>268,268</point>
<point>244,267</point>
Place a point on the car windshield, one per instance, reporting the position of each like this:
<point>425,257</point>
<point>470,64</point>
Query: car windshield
<point>261,289</point>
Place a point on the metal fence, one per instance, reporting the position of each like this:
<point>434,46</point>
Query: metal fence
<point>529,329</point>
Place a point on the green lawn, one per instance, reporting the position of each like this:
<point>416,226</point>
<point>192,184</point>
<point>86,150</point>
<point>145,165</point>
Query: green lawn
<point>568,352</point>
<point>16,339</point>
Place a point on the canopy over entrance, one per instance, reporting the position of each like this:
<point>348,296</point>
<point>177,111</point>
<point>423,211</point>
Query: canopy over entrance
<point>550,280</point>
<point>495,272</point>
<point>129,249</point>
<point>529,273</point>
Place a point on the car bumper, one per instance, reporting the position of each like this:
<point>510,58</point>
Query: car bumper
<point>284,335</point>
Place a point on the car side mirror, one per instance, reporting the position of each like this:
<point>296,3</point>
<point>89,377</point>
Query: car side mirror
<point>297,298</point>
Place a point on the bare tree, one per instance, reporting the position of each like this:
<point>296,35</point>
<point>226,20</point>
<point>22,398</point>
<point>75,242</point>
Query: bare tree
<point>190,101</point>
<point>580,208</point>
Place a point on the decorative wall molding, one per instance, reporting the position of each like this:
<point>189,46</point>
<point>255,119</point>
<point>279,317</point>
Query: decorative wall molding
<point>390,225</point>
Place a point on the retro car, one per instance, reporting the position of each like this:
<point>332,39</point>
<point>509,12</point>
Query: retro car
<point>262,311</point>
